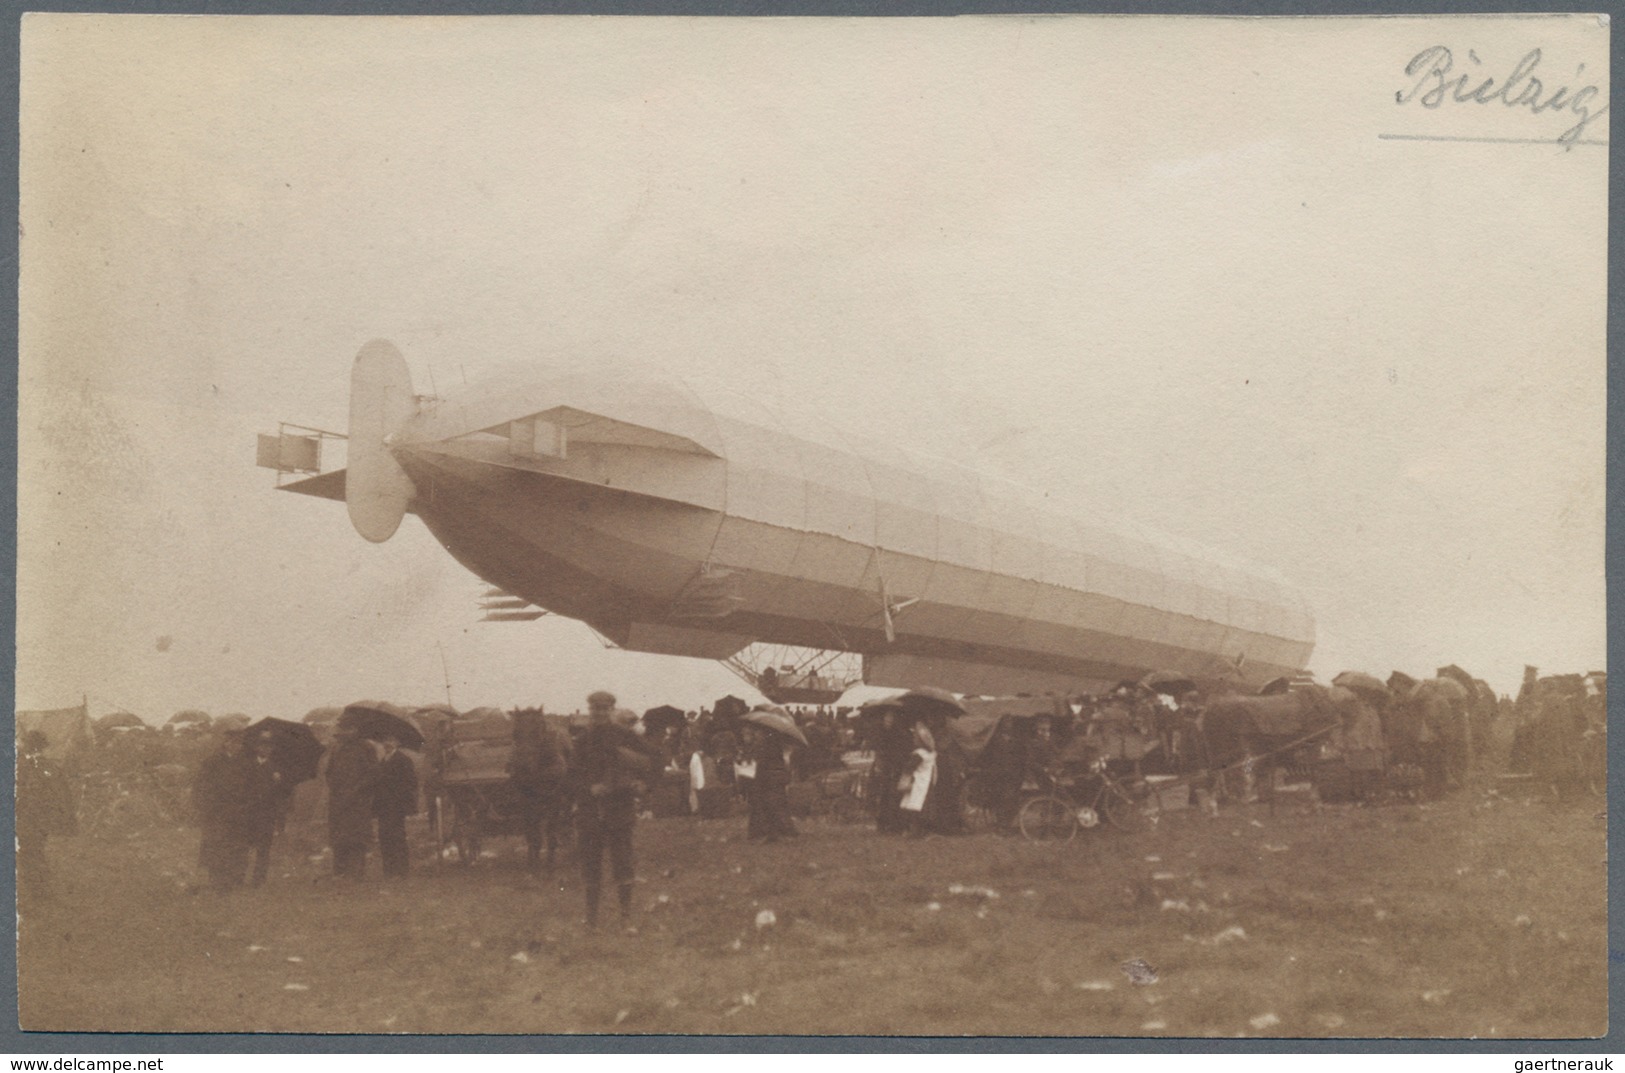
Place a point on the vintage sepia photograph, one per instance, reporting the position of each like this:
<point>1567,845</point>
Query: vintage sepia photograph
<point>1045,526</point>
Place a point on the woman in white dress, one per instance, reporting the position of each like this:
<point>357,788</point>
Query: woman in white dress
<point>921,780</point>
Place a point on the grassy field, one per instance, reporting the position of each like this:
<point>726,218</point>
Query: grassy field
<point>1481,916</point>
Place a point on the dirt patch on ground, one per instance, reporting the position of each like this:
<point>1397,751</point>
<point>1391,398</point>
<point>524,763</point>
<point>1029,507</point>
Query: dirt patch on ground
<point>1476,917</point>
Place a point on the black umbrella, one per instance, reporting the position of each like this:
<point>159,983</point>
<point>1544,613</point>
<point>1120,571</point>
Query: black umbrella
<point>729,707</point>
<point>881,704</point>
<point>379,720</point>
<point>1169,683</point>
<point>777,719</point>
<point>929,701</point>
<point>659,720</point>
<point>295,749</point>
<point>918,704</point>
<point>1367,685</point>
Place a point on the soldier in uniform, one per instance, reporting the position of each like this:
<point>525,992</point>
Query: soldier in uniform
<point>609,763</point>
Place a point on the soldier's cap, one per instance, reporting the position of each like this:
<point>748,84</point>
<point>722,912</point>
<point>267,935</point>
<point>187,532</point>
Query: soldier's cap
<point>601,697</point>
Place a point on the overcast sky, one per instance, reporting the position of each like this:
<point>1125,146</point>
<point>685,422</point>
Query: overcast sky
<point>1165,265</point>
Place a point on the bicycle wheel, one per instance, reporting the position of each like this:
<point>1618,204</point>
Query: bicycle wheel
<point>1123,810</point>
<point>1048,819</point>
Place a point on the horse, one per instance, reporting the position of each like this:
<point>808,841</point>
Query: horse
<point>1238,729</point>
<point>538,775</point>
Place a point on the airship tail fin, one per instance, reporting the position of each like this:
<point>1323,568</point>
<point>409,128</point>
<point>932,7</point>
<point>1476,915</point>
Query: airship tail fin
<point>377,490</point>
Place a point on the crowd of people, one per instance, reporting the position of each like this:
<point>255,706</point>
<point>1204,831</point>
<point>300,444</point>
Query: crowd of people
<point>240,798</point>
<point>601,776</point>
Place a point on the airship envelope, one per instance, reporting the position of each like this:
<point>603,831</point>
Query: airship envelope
<point>692,525</point>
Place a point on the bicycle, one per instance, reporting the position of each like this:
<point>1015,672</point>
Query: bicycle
<point>1059,809</point>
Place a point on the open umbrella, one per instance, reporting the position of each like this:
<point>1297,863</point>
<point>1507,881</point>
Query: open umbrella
<point>929,701</point>
<point>659,720</point>
<point>1448,688</point>
<point>295,749</point>
<point>379,719</point>
<point>729,707</point>
<point>1366,685</point>
<point>1169,683</point>
<point>892,703</point>
<point>119,720</point>
<point>775,719</point>
<point>1457,674</point>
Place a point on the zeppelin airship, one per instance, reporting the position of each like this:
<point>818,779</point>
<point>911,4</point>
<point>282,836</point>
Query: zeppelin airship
<point>691,522</point>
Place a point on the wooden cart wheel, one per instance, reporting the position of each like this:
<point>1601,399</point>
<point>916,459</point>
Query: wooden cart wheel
<point>440,808</point>
<point>465,828</point>
<point>1126,812</point>
<point>1048,819</point>
<point>976,806</point>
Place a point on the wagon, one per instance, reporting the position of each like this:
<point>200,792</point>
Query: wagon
<point>841,795</point>
<point>471,795</point>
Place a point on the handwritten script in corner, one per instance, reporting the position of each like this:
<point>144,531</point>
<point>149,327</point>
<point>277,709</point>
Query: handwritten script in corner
<point>1434,81</point>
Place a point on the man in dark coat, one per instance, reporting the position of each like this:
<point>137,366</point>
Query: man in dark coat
<point>769,797</point>
<point>892,743</point>
<point>395,798</point>
<point>44,807</point>
<point>352,780</point>
<point>264,798</point>
<point>609,763</point>
<point>220,800</point>
<point>1003,771</point>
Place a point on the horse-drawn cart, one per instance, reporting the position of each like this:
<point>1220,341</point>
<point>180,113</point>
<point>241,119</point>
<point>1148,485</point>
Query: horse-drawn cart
<point>472,789</point>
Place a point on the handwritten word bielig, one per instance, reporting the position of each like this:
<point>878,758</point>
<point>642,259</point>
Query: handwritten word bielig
<point>1433,85</point>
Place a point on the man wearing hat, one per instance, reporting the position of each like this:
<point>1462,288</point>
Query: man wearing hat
<point>220,802</point>
<point>352,780</point>
<point>396,798</point>
<point>265,794</point>
<point>609,763</point>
